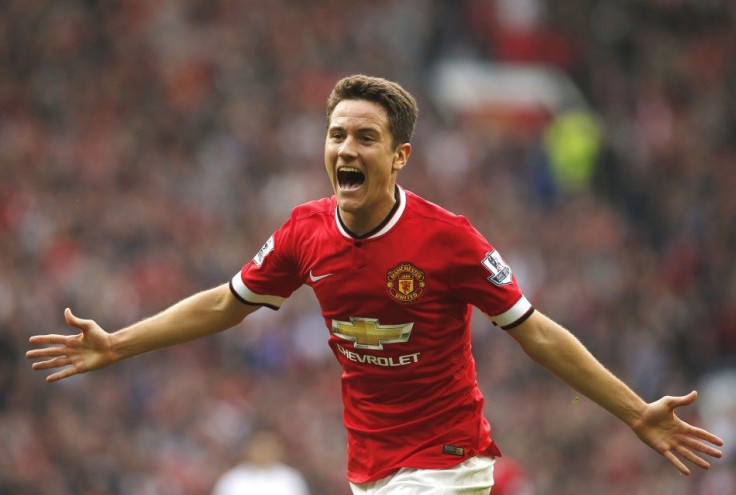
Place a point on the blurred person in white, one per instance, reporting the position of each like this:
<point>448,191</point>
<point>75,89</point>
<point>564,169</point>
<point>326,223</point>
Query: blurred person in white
<point>262,470</point>
<point>396,277</point>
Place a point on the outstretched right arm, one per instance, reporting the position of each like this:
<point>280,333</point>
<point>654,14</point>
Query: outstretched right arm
<point>197,316</point>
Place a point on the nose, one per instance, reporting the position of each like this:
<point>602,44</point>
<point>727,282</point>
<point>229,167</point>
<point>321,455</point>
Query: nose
<point>347,148</point>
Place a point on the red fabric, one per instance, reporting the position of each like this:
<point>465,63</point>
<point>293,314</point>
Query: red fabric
<point>405,398</point>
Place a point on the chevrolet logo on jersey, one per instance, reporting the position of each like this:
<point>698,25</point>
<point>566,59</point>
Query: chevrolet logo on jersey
<point>367,333</point>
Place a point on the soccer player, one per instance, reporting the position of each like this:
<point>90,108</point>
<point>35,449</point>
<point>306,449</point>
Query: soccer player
<point>396,277</point>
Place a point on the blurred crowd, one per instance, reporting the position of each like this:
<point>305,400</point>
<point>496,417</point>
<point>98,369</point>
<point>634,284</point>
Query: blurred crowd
<point>149,147</point>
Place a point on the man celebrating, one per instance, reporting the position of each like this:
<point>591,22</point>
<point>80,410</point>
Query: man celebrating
<point>396,278</point>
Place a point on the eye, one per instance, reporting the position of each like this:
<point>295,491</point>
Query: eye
<point>367,137</point>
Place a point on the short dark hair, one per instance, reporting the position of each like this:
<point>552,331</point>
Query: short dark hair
<point>400,105</point>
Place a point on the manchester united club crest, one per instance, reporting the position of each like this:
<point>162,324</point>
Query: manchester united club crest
<point>405,282</point>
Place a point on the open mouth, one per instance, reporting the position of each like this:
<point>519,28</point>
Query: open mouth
<point>349,178</point>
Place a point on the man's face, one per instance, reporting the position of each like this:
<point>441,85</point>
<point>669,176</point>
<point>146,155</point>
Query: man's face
<point>361,161</point>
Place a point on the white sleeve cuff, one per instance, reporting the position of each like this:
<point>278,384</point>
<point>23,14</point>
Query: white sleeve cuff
<point>517,312</point>
<point>248,296</point>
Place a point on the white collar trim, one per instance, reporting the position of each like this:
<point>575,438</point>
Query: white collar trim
<point>386,228</point>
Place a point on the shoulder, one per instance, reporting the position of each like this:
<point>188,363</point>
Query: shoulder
<point>427,210</point>
<point>305,221</point>
<point>318,207</point>
<point>443,228</point>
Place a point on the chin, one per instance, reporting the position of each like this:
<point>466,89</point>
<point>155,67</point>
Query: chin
<point>348,204</point>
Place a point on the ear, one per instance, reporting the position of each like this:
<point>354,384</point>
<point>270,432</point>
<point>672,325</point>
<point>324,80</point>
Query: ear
<point>401,156</point>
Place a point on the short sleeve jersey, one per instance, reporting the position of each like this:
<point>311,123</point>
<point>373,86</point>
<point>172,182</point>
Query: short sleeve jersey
<point>397,304</point>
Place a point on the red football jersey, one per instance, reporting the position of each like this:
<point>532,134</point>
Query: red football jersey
<point>397,303</point>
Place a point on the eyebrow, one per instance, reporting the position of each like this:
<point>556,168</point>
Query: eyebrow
<point>365,129</point>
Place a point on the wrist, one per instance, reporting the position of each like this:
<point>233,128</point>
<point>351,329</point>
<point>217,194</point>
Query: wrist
<point>115,347</point>
<point>634,415</point>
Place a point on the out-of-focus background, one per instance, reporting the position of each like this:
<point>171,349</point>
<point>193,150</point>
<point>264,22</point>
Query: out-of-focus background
<point>149,147</point>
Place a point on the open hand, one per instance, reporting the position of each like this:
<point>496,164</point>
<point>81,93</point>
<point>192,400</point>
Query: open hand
<point>660,428</point>
<point>86,351</point>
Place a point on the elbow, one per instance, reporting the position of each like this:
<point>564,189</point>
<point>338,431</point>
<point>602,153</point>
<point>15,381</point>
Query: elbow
<point>229,310</point>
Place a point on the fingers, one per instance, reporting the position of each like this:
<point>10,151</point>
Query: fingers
<point>692,457</point>
<point>58,345</point>
<point>58,349</point>
<point>688,455</point>
<point>676,462</point>
<point>52,363</point>
<point>693,444</point>
<point>50,339</point>
<point>60,360</point>
<point>702,434</point>
<point>65,353</point>
<point>56,339</point>
<point>687,447</point>
<point>65,373</point>
<point>47,352</point>
<point>678,441</point>
<point>60,355</point>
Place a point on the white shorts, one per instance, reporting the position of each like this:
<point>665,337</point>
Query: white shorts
<point>472,477</point>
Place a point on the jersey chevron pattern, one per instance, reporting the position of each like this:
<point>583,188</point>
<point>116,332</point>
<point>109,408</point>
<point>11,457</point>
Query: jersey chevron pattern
<point>397,305</point>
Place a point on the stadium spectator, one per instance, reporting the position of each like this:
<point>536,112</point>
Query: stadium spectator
<point>108,181</point>
<point>262,470</point>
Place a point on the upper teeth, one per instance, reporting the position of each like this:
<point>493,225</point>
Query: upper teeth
<point>349,169</point>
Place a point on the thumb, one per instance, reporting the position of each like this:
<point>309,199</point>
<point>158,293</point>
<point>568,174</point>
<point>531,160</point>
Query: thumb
<point>684,400</point>
<point>74,321</point>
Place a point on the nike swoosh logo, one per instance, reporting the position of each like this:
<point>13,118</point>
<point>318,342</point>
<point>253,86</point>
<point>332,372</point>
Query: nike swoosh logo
<point>316,278</point>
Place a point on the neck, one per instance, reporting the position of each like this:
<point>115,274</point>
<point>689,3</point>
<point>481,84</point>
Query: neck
<point>360,225</point>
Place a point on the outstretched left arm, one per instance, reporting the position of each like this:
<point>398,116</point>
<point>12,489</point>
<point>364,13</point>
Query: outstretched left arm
<point>656,424</point>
